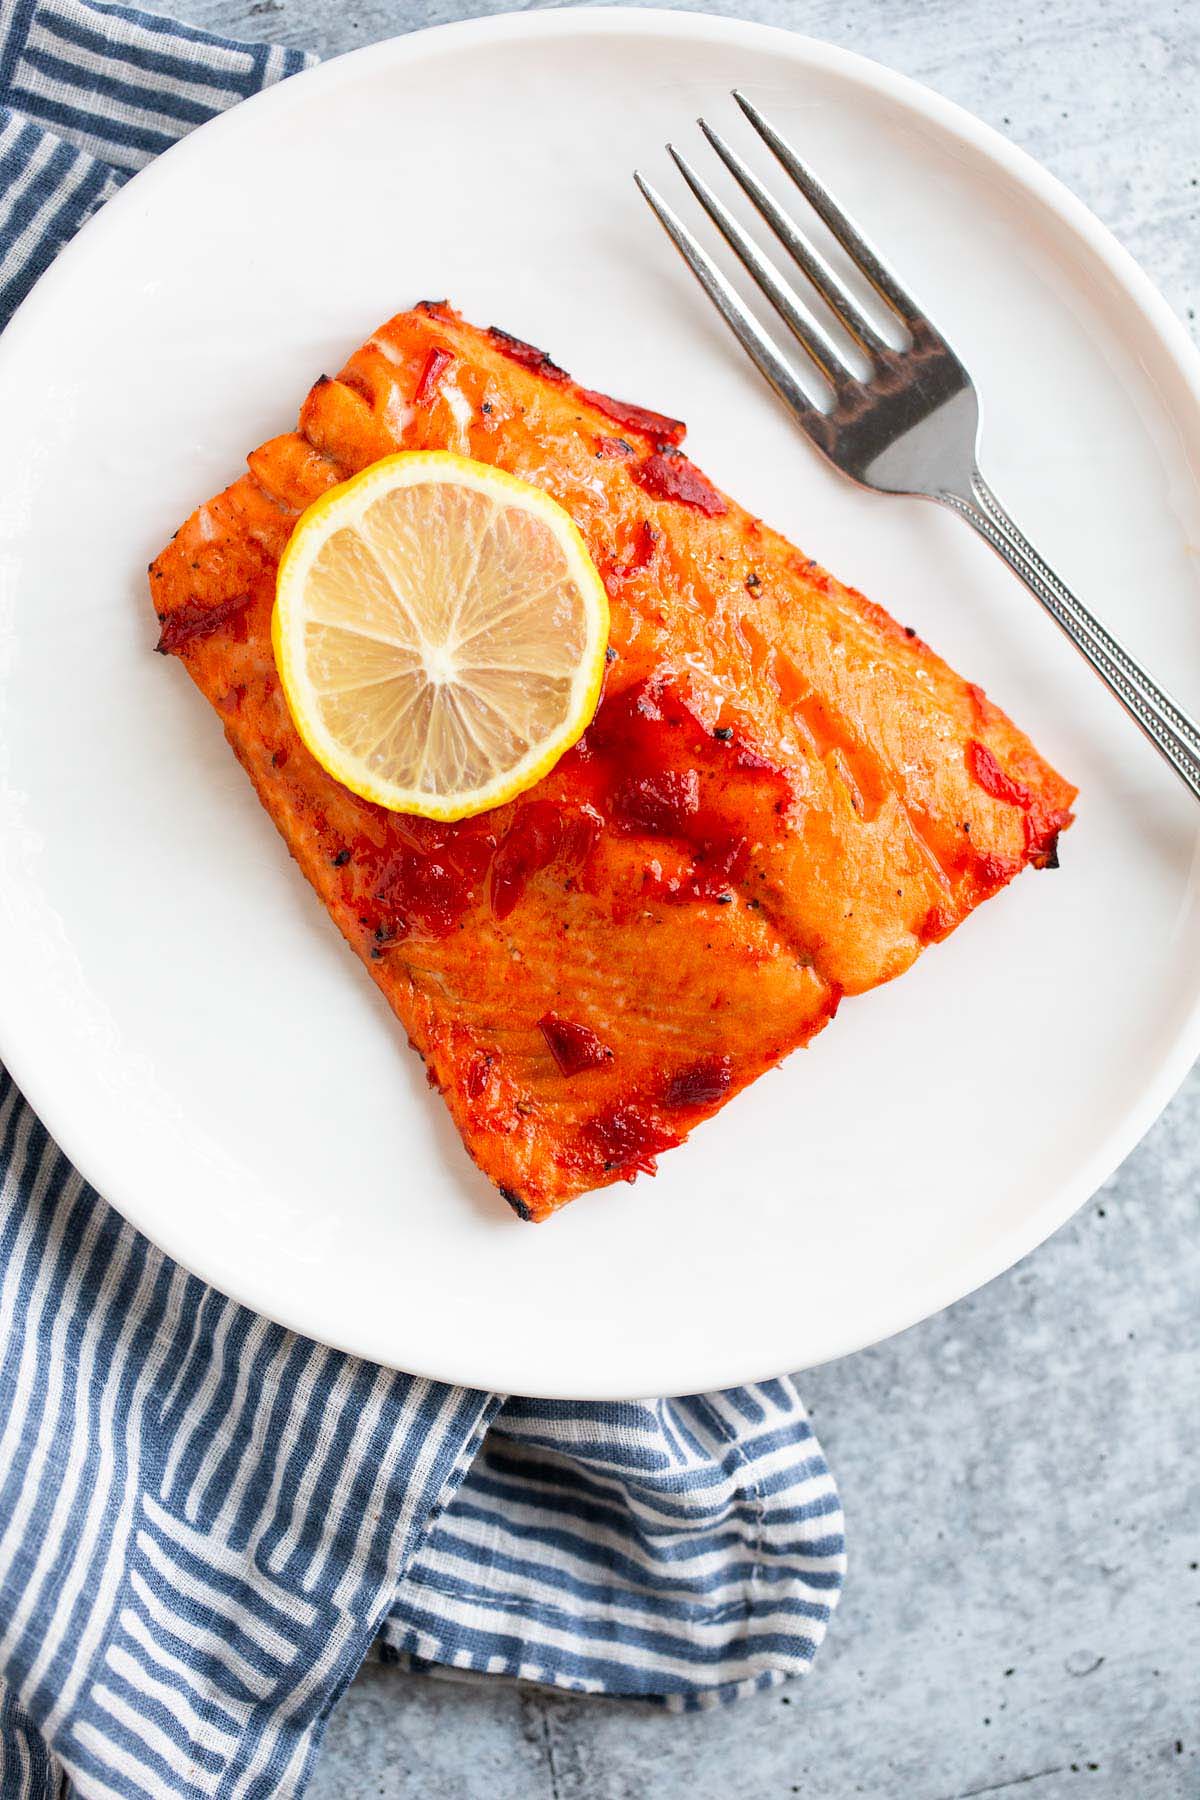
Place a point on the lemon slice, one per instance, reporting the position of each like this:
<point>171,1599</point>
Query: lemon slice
<point>439,630</point>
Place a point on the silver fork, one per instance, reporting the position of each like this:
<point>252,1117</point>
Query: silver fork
<point>910,425</point>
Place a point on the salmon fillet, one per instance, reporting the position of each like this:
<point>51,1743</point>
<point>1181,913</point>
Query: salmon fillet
<point>783,797</point>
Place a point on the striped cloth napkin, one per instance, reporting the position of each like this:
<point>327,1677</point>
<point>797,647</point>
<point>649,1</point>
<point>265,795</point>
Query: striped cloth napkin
<point>206,1522</point>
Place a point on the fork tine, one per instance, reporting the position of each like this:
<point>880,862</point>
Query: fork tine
<point>868,259</point>
<point>745,327</point>
<point>799,322</point>
<point>837,297</point>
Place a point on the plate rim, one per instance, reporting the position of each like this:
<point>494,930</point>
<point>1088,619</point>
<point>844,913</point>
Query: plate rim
<point>33,1073</point>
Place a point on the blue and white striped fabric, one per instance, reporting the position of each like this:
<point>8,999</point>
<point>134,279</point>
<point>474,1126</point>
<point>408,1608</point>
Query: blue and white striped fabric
<point>205,1521</point>
<point>88,95</point>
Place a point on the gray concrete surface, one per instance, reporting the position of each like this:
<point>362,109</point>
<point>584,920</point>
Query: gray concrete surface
<point>1025,1616</point>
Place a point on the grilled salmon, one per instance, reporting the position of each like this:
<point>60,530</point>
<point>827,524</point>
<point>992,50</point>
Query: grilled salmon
<point>784,796</point>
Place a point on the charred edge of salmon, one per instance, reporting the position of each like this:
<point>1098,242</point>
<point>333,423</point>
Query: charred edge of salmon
<point>1047,856</point>
<point>515,1201</point>
<point>538,362</point>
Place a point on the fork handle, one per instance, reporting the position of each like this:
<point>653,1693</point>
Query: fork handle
<point>1173,733</point>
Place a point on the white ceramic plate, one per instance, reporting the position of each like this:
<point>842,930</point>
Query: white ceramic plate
<point>172,998</point>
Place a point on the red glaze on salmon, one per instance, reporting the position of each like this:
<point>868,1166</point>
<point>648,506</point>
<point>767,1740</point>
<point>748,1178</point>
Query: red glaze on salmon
<point>783,796</point>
